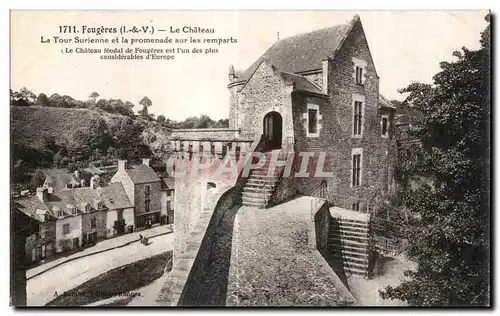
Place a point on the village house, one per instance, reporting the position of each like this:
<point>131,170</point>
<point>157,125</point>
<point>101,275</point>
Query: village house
<point>69,219</point>
<point>144,189</point>
<point>167,200</point>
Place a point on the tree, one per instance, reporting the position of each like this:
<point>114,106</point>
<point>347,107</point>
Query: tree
<point>93,96</point>
<point>37,180</point>
<point>450,240</point>
<point>146,103</point>
<point>161,119</point>
<point>43,100</point>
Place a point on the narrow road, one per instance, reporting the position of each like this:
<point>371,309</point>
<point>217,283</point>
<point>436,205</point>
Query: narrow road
<point>41,289</point>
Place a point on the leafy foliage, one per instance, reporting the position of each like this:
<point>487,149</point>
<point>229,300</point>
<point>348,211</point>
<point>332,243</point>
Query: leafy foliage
<point>450,241</point>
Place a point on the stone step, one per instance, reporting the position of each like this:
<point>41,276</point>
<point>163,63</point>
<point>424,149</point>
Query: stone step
<point>347,223</point>
<point>265,177</point>
<point>350,264</point>
<point>348,237</point>
<point>253,204</point>
<point>258,189</point>
<point>349,229</point>
<point>259,194</point>
<point>344,241</point>
<point>350,220</point>
<point>350,258</point>
<point>275,172</point>
<point>350,247</point>
<point>348,233</point>
<point>354,270</point>
<point>263,184</point>
<point>348,252</point>
<point>254,199</point>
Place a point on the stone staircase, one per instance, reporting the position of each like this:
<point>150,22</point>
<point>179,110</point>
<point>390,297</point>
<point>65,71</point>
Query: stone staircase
<point>349,241</point>
<point>261,184</point>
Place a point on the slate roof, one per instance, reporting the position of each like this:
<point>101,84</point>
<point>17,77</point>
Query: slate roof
<point>114,196</point>
<point>384,102</point>
<point>300,83</point>
<point>29,205</point>
<point>59,179</point>
<point>168,183</point>
<point>142,174</point>
<point>302,52</point>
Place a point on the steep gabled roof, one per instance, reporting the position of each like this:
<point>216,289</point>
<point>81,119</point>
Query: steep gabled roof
<point>303,52</point>
<point>114,196</point>
<point>168,183</point>
<point>142,174</point>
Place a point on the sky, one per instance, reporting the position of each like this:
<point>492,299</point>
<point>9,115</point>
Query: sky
<point>406,46</point>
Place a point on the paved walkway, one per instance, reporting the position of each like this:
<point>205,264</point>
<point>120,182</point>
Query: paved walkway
<point>390,272</point>
<point>104,245</point>
<point>41,289</point>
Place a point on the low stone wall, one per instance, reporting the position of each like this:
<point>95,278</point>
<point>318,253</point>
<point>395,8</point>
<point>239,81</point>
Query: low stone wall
<point>198,134</point>
<point>195,289</point>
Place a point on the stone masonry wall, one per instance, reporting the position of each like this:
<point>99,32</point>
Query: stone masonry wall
<point>264,92</point>
<point>100,228</point>
<point>336,132</point>
<point>154,197</point>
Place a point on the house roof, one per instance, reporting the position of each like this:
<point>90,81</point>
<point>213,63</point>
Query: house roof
<point>59,179</point>
<point>114,196</point>
<point>302,52</point>
<point>384,102</point>
<point>168,183</point>
<point>29,205</point>
<point>142,174</point>
<point>300,83</point>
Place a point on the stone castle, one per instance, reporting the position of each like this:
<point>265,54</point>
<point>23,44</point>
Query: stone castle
<point>311,93</point>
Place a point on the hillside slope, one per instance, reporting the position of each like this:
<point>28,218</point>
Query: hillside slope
<point>31,125</point>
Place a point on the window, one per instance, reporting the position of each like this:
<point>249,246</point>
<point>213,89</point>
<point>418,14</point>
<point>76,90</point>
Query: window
<point>66,229</point>
<point>93,223</point>
<point>169,192</point>
<point>169,205</point>
<point>87,208</point>
<point>312,117</point>
<point>356,167</point>
<point>147,190</point>
<point>60,214</point>
<point>147,205</point>
<point>99,205</point>
<point>355,206</point>
<point>359,75</point>
<point>358,117</point>
<point>42,231</point>
<point>359,70</point>
<point>384,126</point>
<point>313,123</point>
<point>74,211</point>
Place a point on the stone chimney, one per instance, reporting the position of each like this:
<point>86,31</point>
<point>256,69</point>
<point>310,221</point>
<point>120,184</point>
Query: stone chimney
<point>145,161</point>
<point>41,213</point>
<point>82,182</point>
<point>122,165</point>
<point>41,193</point>
<point>50,190</point>
<point>77,174</point>
<point>95,182</point>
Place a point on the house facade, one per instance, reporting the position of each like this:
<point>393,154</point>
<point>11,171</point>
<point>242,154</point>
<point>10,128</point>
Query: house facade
<point>144,188</point>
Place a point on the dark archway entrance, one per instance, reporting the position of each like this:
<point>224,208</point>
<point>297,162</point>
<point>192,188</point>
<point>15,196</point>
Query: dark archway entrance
<point>273,128</point>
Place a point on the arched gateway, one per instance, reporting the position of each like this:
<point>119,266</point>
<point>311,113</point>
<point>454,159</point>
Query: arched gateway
<point>273,130</point>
